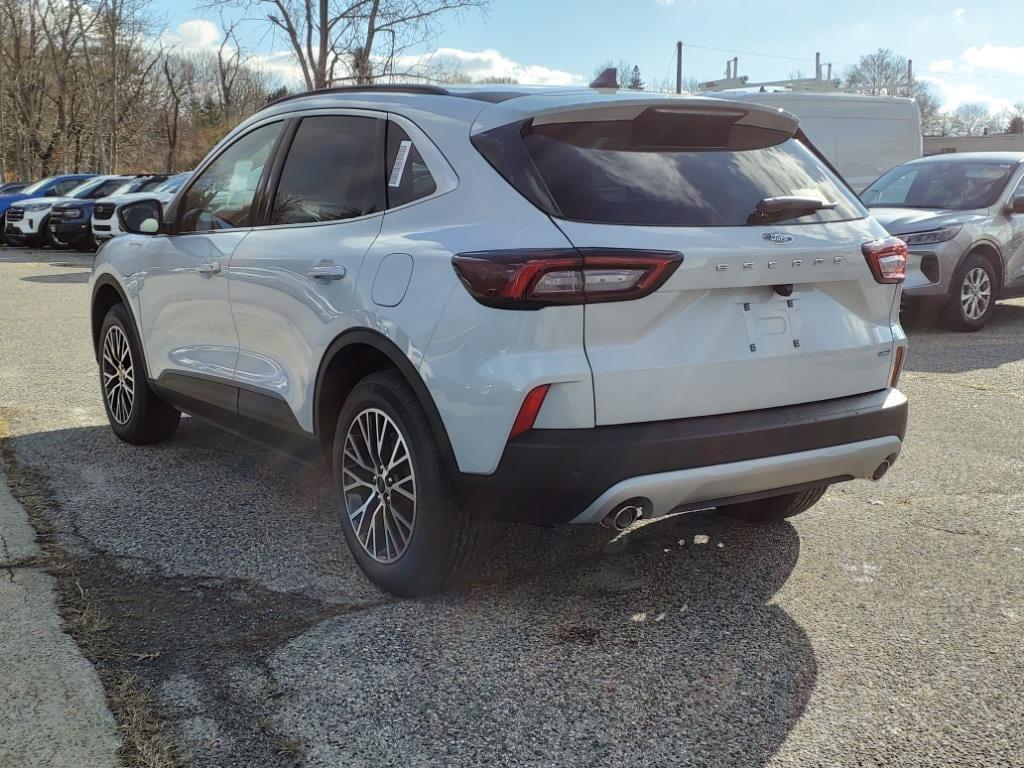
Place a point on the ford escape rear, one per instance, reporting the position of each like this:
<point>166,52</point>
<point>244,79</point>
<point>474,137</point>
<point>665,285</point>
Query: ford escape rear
<point>545,306</point>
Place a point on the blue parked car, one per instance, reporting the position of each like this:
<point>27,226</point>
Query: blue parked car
<point>51,186</point>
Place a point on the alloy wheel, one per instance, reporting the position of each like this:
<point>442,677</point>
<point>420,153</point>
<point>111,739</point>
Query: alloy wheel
<point>378,485</point>
<point>975,293</point>
<point>118,375</point>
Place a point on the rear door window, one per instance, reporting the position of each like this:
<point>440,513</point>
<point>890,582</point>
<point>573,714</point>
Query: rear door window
<point>660,172</point>
<point>409,179</point>
<point>334,171</point>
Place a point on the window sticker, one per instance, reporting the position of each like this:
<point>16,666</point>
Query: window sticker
<point>400,160</point>
<point>238,188</point>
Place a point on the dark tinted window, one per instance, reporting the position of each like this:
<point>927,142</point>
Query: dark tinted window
<point>222,196</point>
<point>63,187</point>
<point>334,171</point>
<point>644,173</point>
<point>147,184</point>
<point>952,185</point>
<point>104,189</point>
<point>408,176</point>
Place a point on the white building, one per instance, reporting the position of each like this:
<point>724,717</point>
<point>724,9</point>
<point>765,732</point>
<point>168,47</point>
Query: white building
<point>994,142</point>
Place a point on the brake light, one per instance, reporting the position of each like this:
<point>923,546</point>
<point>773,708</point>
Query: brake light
<point>528,411</point>
<point>531,279</point>
<point>887,259</point>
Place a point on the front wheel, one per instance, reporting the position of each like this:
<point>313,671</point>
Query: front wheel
<point>972,297</point>
<point>398,509</point>
<point>136,414</point>
<point>776,507</point>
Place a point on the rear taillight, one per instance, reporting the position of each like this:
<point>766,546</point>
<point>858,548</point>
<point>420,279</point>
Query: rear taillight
<point>531,279</point>
<point>887,259</point>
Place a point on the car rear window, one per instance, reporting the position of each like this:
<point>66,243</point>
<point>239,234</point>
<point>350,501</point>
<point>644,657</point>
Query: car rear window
<point>679,170</point>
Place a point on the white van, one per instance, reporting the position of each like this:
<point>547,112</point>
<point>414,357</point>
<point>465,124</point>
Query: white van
<point>862,136</point>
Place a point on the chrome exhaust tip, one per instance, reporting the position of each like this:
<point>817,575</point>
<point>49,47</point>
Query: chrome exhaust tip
<point>623,516</point>
<point>882,469</point>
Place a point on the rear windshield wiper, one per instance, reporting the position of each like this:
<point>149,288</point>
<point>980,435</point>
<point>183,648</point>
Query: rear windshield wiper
<point>773,209</point>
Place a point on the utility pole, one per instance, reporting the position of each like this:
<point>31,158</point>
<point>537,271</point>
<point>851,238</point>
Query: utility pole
<point>679,67</point>
<point>910,75</point>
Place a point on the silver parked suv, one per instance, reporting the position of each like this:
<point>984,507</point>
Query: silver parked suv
<point>549,306</point>
<point>963,218</point>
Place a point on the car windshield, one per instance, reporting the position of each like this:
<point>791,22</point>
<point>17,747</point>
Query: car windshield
<point>83,188</point>
<point>38,186</point>
<point>948,185</point>
<point>172,184</point>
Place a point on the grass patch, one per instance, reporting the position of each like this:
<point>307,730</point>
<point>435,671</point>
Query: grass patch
<point>145,740</point>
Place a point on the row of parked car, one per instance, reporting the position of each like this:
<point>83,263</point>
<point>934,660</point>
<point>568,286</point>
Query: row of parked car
<point>77,210</point>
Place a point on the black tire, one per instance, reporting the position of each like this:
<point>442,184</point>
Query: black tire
<point>955,316</point>
<point>149,419</point>
<point>86,244</point>
<point>42,237</point>
<point>776,507</point>
<point>441,535</point>
<point>53,241</point>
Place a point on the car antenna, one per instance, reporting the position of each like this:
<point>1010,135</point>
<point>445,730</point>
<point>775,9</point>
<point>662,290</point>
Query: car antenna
<point>608,79</point>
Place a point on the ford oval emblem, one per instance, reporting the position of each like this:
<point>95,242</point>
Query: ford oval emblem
<point>778,238</point>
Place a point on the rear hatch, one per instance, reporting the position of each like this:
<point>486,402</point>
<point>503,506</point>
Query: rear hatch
<point>768,307</point>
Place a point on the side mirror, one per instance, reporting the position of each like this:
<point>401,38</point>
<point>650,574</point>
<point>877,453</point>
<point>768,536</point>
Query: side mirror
<point>142,217</point>
<point>1016,205</point>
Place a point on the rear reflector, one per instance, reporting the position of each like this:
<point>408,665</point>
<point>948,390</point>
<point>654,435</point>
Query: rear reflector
<point>887,259</point>
<point>531,279</point>
<point>897,366</point>
<point>528,411</point>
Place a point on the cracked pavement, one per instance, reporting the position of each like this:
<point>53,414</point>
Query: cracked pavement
<point>883,627</point>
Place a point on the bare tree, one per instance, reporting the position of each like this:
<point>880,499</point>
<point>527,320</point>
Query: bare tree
<point>353,40</point>
<point>974,120</point>
<point>885,73</point>
<point>82,87</point>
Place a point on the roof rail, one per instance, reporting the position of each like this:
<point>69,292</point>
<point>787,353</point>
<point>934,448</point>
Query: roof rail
<point>379,88</point>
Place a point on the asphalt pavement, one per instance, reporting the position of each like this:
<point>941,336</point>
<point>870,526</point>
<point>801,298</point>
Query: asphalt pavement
<point>885,627</point>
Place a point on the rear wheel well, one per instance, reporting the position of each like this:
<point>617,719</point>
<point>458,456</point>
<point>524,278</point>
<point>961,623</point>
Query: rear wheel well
<point>106,296</point>
<point>346,368</point>
<point>993,257</point>
<point>352,357</point>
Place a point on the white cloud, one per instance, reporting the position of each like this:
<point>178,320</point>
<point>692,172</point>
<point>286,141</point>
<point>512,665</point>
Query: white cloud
<point>1002,58</point>
<point>196,35</point>
<point>490,63</point>
<point>193,35</point>
<point>666,2</point>
<point>942,65</point>
<point>959,15</point>
<point>953,95</point>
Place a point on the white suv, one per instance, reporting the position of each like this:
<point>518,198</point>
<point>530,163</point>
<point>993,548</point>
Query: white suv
<point>549,306</point>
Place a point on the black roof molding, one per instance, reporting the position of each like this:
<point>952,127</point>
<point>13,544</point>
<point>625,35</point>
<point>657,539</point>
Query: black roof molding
<point>434,90</point>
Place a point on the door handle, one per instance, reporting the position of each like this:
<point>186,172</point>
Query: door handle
<point>327,270</point>
<point>210,268</point>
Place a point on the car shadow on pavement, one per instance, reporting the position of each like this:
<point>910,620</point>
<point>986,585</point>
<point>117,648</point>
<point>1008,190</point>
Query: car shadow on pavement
<point>63,277</point>
<point>575,646</point>
<point>934,349</point>
<point>10,255</point>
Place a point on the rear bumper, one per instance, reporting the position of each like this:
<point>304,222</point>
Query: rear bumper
<point>551,477</point>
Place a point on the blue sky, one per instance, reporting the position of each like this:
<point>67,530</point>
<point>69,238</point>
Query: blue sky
<point>972,52</point>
